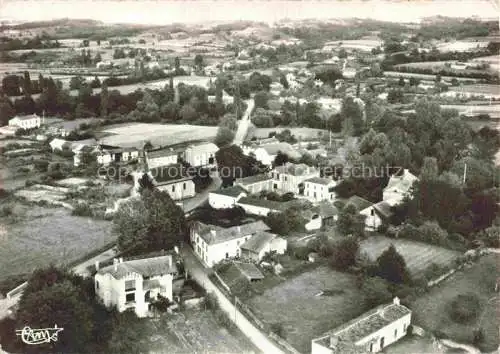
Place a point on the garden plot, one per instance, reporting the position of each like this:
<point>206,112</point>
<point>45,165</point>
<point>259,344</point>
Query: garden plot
<point>36,237</point>
<point>158,134</point>
<point>297,305</point>
<point>43,193</point>
<point>418,256</point>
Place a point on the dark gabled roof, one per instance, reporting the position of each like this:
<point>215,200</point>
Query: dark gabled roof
<point>146,267</point>
<point>215,234</point>
<point>28,117</point>
<point>383,209</point>
<point>168,174</point>
<point>320,180</point>
<point>327,209</point>
<point>257,242</point>
<point>264,203</point>
<point>359,202</point>
<point>233,191</point>
<point>151,154</point>
<point>253,179</point>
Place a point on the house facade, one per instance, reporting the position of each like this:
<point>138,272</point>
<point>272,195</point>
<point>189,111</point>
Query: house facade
<point>261,243</point>
<point>107,156</point>
<point>267,153</point>
<point>26,122</point>
<point>226,198</point>
<point>318,189</point>
<point>291,177</point>
<point>158,158</point>
<point>261,207</point>
<point>398,187</point>
<point>201,155</point>
<point>135,284</point>
<point>213,244</point>
<point>178,189</point>
<point>369,333</point>
<point>376,215</point>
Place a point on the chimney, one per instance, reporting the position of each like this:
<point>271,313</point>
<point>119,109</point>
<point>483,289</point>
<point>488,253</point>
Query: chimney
<point>213,233</point>
<point>395,301</point>
<point>334,341</point>
<point>96,265</point>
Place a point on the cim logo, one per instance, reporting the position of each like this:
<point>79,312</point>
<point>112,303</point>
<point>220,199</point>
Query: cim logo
<point>39,336</point>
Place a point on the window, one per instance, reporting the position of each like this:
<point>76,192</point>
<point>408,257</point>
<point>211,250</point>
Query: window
<point>173,188</point>
<point>184,186</point>
<point>227,255</point>
<point>286,178</point>
<point>130,297</point>
<point>97,284</point>
<point>404,328</point>
<point>372,212</point>
<point>395,333</point>
<point>371,347</point>
<point>130,285</point>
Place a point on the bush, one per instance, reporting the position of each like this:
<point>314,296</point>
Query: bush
<point>464,308</point>
<point>278,329</point>
<point>23,169</point>
<point>82,209</point>
<point>301,252</point>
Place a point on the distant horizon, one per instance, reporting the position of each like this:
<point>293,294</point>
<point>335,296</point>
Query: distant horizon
<point>213,11</point>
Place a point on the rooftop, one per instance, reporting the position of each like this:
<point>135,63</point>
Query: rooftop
<point>249,270</point>
<point>146,267</point>
<point>285,148</point>
<point>384,209</point>
<point>401,184</point>
<point>257,242</point>
<point>203,147</point>
<point>238,271</point>
<point>169,174</point>
<point>233,191</point>
<point>320,180</point>
<point>327,209</point>
<point>27,117</point>
<point>260,202</point>
<point>253,179</point>
<point>160,153</point>
<point>215,234</point>
<point>359,202</point>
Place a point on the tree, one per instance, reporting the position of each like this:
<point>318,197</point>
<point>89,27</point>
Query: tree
<point>198,61</point>
<point>392,267</point>
<point>465,308</point>
<point>429,170</point>
<point>401,82</point>
<point>280,159</point>
<point>344,253</point>
<point>375,291</point>
<point>6,110</point>
<point>76,82</point>
<point>104,100</point>
<point>153,223</point>
<point>284,81</point>
<point>350,221</point>
<point>352,116</point>
<point>278,223</point>
<point>97,58</point>
<point>261,100</point>
<point>27,86</point>
<point>395,96</point>
<point>342,53</point>
<point>229,121</point>
<point>177,64</point>
<point>224,136</point>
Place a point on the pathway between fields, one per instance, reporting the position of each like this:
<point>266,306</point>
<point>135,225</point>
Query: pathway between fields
<point>199,273</point>
<point>244,123</point>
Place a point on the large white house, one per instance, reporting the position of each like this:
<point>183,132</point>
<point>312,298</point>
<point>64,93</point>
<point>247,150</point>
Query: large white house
<point>369,333</point>
<point>226,198</point>
<point>268,152</point>
<point>319,188</point>
<point>135,284</point>
<point>201,154</point>
<point>213,244</point>
<point>26,122</point>
<point>163,157</point>
<point>398,187</point>
<point>174,180</point>
<point>291,177</point>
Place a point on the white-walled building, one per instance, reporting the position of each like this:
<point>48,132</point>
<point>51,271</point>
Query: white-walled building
<point>398,187</point>
<point>26,122</point>
<point>369,333</point>
<point>213,244</point>
<point>107,156</point>
<point>261,243</point>
<point>268,152</point>
<point>261,207</point>
<point>163,157</point>
<point>291,177</point>
<point>255,184</point>
<point>174,180</point>
<point>201,154</point>
<point>319,188</point>
<point>376,215</point>
<point>135,284</point>
<point>226,198</point>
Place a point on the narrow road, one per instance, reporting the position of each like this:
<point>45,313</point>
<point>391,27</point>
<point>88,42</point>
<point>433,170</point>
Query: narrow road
<point>200,198</point>
<point>199,273</point>
<point>244,123</point>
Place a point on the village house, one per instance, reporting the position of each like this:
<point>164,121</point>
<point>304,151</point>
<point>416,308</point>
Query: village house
<point>398,187</point>
<point>59,144</point>
<point>255,184</point>
<point>213,244</point>
<point>267,153</point>
<point>328,212</point>
<point>174,180</point>
<point>369,333</point>
<point>201,155</point>
<point>226,197</point>
<point>105,156</point>
<point>26,122</point>
<point>161,157</point>
<point>319,188</point>
<point>261,243</point>
<point>291,177</point>
<point>376,215</point>
<point>259,206</point>
<point>135,284</point>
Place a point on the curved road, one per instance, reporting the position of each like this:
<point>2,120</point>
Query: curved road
<point>199,273</point>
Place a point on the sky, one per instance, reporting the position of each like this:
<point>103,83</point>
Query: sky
<point>197,11</point>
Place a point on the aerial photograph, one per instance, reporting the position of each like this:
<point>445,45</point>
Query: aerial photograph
<point>249,176</point>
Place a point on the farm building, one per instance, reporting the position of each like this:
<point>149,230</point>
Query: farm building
<point>201,154</point>
<point>226,197</point>
<point>261,243</point>
<point>26,122</point>
<point>255,184</point>
<point>213,244</point>
<point>238,272</point>
<point>162,157</point>
<point>135,284</point>
<point>262,207</point>
<point>291,177</point>
<point>268,152</point>
<point>105,156</point>
<point>376,215</point>
<point>174,180</point>
<point>369,333</point>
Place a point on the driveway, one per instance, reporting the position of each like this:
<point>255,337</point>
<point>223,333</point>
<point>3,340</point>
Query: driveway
<point>244,123</point>
<point>199,273</point>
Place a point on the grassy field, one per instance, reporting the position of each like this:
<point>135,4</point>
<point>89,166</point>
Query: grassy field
<point>158,134</point>
<point>304,315</point>
<point>303,133</point>
<point>194,332</point>
<point>34,237</point>
<point>431,310</point>
<point>418,256</point>
<point>461,46</point>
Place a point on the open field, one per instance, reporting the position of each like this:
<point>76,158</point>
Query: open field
<point>416,344</point>
<point>34,237</point>
<point>304,315</point>
<point>361,44</point>
<point>478,89</point>
<point>397,74</point>
<point>194,332</point>
<point>302,133</point>
<point>39,192</point>
<point>158,134</point>
<point>430,311</point>
<point>418,256</point>
<point>461,46</point>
